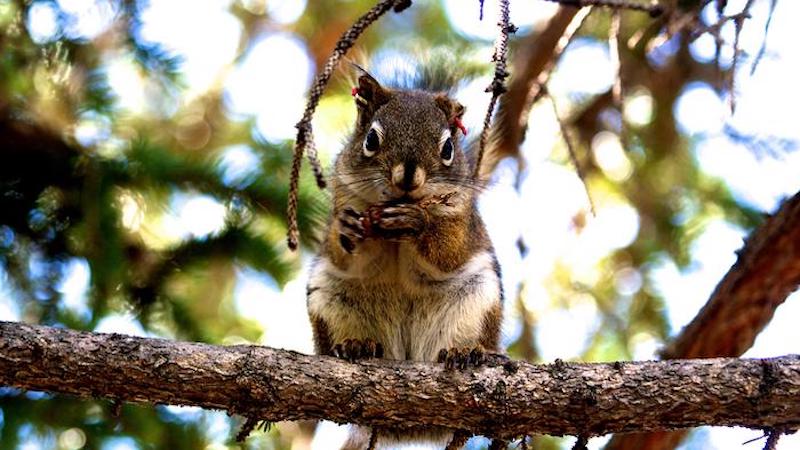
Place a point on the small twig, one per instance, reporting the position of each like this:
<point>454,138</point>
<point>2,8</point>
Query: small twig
<point>247,428</point>
<point>539,88</point>
<point>653,8</point>
<point>498,85</point>
<point>715,29</point>
<point>252,424</point>
<point>460,437</point>
<point>763,49</point>
<point>373,439</point>
<point>116,408</point>
<point>616,60</point>
<point>441,199</point>
<point>718,41</point>
<point>739,23</point>
<point>721,4</point>
<point>573,156</point>
<point>581,443</point>
<point>305,136</point>
<point>772,440</point>
<point>772,435</point>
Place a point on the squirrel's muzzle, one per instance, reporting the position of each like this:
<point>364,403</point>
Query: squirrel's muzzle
<point>408,176</point>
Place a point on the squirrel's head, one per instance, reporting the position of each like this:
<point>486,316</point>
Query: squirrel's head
<point>406,144</point>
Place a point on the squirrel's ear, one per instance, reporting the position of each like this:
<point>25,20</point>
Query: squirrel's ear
<point>371,91</point>
<point>369,95</point>
<point>453,110</point>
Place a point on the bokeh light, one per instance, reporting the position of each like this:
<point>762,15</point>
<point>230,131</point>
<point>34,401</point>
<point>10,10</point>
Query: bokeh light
<point>273,94</point>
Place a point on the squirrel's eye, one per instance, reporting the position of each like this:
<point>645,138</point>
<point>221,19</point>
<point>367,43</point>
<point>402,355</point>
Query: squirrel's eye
<point>447,152</point>
<point>371,143</point>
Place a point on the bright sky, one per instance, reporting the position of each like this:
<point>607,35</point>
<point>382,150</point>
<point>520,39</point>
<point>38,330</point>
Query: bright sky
<point>252,87</point>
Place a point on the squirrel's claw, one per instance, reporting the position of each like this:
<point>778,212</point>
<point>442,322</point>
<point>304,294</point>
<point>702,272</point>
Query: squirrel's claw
<point>400,221</point>
<point>461,358</point>
<point>351,229</point>
<point>355,349</point>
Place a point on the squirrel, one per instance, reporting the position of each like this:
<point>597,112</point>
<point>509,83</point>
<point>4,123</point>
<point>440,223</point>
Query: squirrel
<point>405,270</point>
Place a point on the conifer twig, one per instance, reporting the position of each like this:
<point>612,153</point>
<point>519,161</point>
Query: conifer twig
<point>498,85</point>
<point>305,137</point>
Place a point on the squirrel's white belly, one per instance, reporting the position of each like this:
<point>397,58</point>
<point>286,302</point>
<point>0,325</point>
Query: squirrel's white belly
<point>412,311</point>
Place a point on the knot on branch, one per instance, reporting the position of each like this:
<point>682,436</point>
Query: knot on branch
<point>768,379</point>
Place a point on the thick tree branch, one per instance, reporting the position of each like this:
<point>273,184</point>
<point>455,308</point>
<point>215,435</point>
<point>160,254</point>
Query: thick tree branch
<point>765,274</point>
<point>504,399</point>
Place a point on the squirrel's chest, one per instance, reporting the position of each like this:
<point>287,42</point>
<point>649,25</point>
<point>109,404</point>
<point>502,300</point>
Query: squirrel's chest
<point>412,312</point>
<point>397,265</point>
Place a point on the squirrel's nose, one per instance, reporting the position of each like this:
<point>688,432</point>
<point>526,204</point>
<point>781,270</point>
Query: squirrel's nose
<point>408,176</point>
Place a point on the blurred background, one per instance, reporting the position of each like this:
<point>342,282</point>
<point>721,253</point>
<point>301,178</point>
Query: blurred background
<point>145,156</point>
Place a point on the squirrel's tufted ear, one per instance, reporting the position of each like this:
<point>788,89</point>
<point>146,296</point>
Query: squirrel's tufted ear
<point>371,91</point>
<point>453,110</point>
<point>369,95</point>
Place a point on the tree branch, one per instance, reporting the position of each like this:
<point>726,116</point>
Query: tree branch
<point>503,399</point>
<point>534,55</point>
<point>765,274</point>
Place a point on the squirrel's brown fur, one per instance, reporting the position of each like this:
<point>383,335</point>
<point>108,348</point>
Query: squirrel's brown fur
<point>408,279</point>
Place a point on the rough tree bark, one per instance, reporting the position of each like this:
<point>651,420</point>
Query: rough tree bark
<point>765,274</point>
<point>503,399</point>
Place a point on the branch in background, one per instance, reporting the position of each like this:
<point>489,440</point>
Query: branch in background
<point>715,30</point>
<point>763,49</point>
<point>766,272</point>
<point>536,54</point>
<point>616,59</point>
<point>498,85</point>
<point>652,7</point>
<point>573,154</point>
<point>739,24</point>
<point>504,399</point>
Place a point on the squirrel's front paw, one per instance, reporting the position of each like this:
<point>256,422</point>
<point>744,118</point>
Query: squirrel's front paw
<point>353,349</point>
<point>461,358</point>
<point>398,221</point>
<point>351,229</point>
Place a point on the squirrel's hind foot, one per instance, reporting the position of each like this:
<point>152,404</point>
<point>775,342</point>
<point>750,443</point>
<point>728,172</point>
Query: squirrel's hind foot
<point>355,349</point>
<point>461,358</point>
